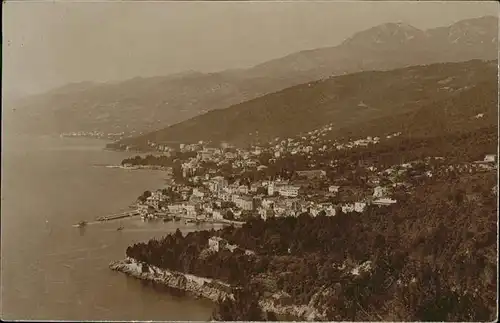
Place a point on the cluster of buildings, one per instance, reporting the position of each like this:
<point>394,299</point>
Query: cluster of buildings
<point>95,134</point>
<point>214,198</point>
<point>208,193</point>
<point>308,143</point>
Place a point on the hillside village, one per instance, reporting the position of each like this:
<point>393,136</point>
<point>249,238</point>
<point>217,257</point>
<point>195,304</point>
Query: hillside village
<point>99,134</point>
<point>234,184</point>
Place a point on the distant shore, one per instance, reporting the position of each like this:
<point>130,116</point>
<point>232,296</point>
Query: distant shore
<point>135,167</point>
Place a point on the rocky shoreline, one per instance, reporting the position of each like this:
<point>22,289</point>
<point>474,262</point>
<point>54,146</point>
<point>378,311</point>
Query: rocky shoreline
<point>207,288</point>
<point>196,286</point>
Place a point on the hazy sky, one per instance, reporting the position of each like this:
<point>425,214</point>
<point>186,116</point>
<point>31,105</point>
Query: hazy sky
<point>48,44</point>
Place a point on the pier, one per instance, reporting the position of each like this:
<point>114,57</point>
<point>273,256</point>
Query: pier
<point>183,217</point>
<point>118,216</point>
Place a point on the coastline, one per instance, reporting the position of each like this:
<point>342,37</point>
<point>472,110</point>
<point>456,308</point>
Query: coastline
<point>207,288</point>
<point>137,167</point>
<point>196,286</point>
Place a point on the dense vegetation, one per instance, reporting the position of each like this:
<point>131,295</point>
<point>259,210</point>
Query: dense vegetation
<point>433,257</point>
<point>458,147</point>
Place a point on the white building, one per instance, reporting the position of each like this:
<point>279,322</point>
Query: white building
<point>257,151</point>
<point>348,208</point>
<point>198,192</point>
<point>188,170</point>
<point>230,155</point>
<point>333,189</point>
<point>359,206</point>
<point>175,208</point>
<point>208,208</point>
<point>270,189</point>
<point>289,190</point>
<point>279,210</point>
<point>226,197</point>
<point>216,243</point>
<point>268,203</point>
<point>143,208</point>
<point>217,215</point>
<point>192,210</point>
<point>243,202</point>
<point>255,186</point>
<point>384,202</point>
<point>208,153</point>
<point>243,189</point>
<point>153,201</point>
<point>380,191</point>
<point>490,158</point>
<point>265,213</point>
<point>217,184</point>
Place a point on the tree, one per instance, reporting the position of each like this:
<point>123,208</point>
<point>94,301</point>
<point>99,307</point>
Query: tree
<point>229,215</point>
<point>144,196</point>
<point>244,307</point>
<point>261,190</point>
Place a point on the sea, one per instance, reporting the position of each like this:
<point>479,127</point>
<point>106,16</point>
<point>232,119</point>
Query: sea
<point>51,270</point>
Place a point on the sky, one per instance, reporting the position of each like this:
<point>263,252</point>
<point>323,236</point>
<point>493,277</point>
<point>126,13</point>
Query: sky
<point>48,44</point>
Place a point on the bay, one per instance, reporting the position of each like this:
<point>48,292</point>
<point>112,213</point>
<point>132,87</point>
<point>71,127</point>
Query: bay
<point>53,271</point>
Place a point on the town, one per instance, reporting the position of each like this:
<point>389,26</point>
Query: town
<point>99,135</point>
<point>286,177</point>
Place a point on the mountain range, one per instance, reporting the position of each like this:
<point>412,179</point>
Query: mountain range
<point>389,46</point>
<point>147,104</point>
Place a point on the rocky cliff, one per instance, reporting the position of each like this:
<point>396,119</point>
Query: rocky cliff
<point>198,286</point>
<point>209,288</point>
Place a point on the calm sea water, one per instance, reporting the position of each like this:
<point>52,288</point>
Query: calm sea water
<point>51,270</point>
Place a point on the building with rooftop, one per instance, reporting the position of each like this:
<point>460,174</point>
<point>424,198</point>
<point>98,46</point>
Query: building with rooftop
<point>243,202</point>
<point>384,202</point>
<point>289,190</point>
<point>333,188</point>
<point>312,174</point>
<point>380,191</point>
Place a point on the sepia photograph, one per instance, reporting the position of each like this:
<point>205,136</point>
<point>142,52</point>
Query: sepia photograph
<point>249,161</point>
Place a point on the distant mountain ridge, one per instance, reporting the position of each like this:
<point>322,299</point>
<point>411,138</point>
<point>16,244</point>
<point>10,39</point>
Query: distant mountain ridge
<point>352,103</point>
<point>147,104</point>
<point>392,45</point>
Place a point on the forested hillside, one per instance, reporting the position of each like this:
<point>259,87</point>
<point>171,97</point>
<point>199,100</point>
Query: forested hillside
<point>412,100</point>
